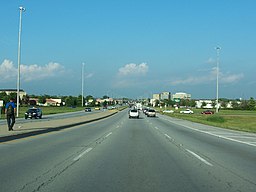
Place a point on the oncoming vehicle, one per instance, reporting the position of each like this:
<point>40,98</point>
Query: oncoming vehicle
<point>187,111</point>
<point>87,109</point>
<point>33,113</point>
<point>134,113</point>
<point>151,113</point>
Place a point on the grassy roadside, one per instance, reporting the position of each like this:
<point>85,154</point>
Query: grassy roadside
<point>229,119</point>
<point>48,110</point>
<point>52,110</point>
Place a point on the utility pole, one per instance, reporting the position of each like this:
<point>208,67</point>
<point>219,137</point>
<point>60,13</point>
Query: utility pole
<point>22,9</point>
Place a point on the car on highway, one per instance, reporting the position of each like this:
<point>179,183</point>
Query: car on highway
<point>207,112</point>
<point>168,111</point>
<point>87,109</point>
<point>145,111</point>
<point>33,113</point>
<point>151,113</point>
<point>97,108</point>
<point>134,113</point>
<point>187,111</point>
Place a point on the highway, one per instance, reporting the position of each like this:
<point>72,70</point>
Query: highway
<point>52,116</point>
<point>118,154</point>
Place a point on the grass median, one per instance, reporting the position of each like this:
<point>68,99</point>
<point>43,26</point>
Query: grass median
<point>229,119</point>
<point>53,110</point>
<point>48,110</point>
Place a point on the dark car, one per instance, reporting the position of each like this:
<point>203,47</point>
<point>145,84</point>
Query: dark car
<point>87,109</point>
<point>207,112</point>
<point>33,113</point>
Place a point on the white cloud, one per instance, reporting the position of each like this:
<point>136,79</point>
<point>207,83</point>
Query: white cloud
<point>89,75</point>
<point>208,77</point>
<point>231,78</point>
<point>30,72</point>
<point>36,72</point>
<point>7,70</point>
<point>211,61</point>
<point>136,71</point>
<point>133,69</point>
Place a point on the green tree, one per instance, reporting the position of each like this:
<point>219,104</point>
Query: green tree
<point>235,104</point>
<point>224,104</point>
<point>71,101</point>
<point>214,103</point>
<point>251,104</point>
<point>42,99</point>
<point>79,100</point>
<point>192,103</point>
<point>25,100</point>
<point>157,103</point>
<point>244,105</point>
<point>105,103</point>
<point>184,102</point>
<point>4,97</point>
<point>203,104</point>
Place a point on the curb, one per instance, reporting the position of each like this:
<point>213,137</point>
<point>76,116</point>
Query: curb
<point>47,130</point>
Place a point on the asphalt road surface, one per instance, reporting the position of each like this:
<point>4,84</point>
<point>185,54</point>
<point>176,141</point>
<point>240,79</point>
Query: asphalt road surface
<point>119,154</point>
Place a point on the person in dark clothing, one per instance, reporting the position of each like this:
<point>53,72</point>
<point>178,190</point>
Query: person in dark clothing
<point>10,110</point>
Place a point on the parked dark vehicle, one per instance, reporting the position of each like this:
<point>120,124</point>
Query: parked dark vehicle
<point>33,113</point>
<point>208,112</point>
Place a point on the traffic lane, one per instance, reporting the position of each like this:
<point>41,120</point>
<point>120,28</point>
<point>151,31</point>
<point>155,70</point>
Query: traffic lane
<point>72,114</point>
<point>28,163</point>
<point>136,157</point>
<point>232,135</point>
<point>234,157</point>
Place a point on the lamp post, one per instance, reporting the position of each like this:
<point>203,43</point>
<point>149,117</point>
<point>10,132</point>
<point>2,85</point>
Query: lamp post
<point>22,9</point>
<point>82,84</point>
<point>217,82</point>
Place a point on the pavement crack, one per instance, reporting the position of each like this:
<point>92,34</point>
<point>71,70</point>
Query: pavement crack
<point>48,176</point>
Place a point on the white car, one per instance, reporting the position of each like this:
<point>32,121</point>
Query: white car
<point>187,111</point>
<point>168,111</point>
<point>134,113</point>
<point>151,113</point>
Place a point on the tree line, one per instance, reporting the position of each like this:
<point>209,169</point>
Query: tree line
<point>236,104</point>
<point>69,101</point>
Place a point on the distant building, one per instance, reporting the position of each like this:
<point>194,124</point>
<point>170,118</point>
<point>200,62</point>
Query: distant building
<point>156,96</point>
<point>52,102</point>
<point>165,95</point>
<point>208,104</point>
<point>104,100</point>
<point>49,102</point>
<point>9,91</point>
<point>181,95</point>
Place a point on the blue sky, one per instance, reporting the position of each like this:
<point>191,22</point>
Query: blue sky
<point>131,48</point>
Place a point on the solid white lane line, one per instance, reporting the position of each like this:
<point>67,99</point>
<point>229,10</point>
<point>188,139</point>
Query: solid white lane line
<point>210,133</point>
<point>82,154</point>
<point>167,136</point>
<point>198,157</point>
<point>108,135</point>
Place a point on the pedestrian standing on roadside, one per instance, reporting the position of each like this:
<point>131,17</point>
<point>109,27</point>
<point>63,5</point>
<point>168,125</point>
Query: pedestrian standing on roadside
<point>10,110</point>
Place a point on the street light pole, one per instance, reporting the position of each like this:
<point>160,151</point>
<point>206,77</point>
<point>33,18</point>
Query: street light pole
<point>82,84</point>
<point>22,9</point>
<point>217,74</point>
